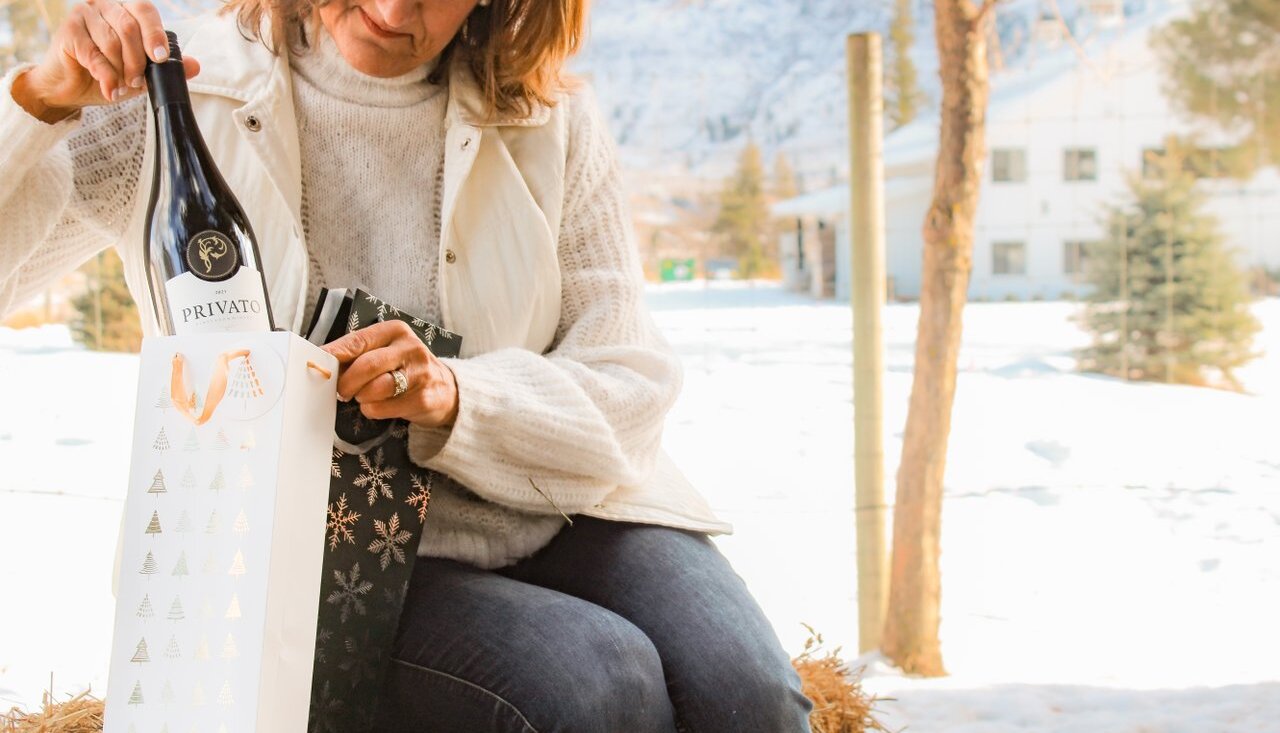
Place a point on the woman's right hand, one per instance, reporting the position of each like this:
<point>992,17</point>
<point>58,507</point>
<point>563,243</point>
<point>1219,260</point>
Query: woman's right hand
<point>97,56</point>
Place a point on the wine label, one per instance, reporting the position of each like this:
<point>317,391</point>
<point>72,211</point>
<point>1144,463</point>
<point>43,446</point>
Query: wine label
<point>234,304</point>
<point>212,256</point>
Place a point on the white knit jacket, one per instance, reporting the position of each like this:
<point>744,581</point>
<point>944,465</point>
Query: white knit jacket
<point>582,420</point>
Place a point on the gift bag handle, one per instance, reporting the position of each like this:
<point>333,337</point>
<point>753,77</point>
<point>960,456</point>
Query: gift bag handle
<point>185,400</point>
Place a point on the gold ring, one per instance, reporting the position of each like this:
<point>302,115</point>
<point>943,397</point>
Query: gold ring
<point>402,382</point>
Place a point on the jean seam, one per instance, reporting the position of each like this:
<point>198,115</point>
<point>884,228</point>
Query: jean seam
<point>514,710</point>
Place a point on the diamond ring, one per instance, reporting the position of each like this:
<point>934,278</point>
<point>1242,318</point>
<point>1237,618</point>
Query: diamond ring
<point>402,382</point>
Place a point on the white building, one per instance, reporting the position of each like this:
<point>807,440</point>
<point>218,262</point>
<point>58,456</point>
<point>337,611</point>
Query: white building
<point>1062,135</point>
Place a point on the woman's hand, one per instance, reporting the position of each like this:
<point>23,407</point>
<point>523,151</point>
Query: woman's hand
<point>97,56</point>
<point>368,357</point>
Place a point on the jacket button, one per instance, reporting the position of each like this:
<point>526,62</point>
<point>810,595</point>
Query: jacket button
<point>252,123</point>
<point>449,256</point>
<point>466,143</point>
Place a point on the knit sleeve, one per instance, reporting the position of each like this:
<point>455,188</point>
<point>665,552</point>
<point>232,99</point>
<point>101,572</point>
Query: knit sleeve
<point>65,189</point>
<point>559,431</point>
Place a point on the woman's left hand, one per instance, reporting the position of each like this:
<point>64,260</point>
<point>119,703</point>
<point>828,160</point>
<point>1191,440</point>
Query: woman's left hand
<point>368,356</point>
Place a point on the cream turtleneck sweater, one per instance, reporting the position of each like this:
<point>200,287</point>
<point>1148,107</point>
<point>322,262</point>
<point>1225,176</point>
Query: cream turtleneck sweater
<point>357,134</point>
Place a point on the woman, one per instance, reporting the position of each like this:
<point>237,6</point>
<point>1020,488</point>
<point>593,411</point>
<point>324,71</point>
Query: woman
<point>431,151</point>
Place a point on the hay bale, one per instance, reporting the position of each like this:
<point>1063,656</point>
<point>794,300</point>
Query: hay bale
<point>80,714</point>
<point>839,704</point>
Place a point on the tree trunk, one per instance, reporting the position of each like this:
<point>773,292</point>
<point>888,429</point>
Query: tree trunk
<point>911,627</point>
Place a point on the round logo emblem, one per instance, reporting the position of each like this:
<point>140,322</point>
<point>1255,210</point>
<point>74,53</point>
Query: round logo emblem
<point>212,256</point>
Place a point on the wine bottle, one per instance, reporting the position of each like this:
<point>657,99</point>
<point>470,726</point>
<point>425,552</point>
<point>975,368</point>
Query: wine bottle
<point>205,271</point>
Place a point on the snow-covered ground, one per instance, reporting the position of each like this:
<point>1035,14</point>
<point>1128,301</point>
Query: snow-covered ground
<point>1109,548</point>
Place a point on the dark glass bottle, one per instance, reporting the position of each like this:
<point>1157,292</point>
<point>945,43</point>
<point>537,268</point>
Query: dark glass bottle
<point>204,271</point>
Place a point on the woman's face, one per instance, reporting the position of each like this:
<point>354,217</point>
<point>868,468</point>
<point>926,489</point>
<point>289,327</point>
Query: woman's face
<point>392,37</point>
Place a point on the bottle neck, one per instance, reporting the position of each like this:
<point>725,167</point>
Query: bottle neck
<point>179,146</point>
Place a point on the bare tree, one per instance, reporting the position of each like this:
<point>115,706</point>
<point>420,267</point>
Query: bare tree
<point>911,626</point>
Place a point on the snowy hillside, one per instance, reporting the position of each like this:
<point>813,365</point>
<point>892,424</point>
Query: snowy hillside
<point>685,82</point>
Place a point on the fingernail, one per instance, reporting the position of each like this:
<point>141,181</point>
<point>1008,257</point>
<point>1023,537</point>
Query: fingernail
<point>342,399</point>
<point>136,83</point>
<point>161,53</point>
<point>116,94</point>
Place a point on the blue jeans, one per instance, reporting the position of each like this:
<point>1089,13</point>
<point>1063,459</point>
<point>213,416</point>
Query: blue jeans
<point>613,627</point>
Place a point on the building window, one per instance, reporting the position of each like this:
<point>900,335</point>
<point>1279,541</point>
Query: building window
<point>1075,257</point>
<point>1080,164</point>
<point>1008,258</point>
<point>1008,165</point>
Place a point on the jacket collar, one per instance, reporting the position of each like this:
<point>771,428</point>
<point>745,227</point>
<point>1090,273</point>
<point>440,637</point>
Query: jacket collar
<point>232,65</point>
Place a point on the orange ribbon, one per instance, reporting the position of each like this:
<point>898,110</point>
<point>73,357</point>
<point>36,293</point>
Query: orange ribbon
<point>185,400</point>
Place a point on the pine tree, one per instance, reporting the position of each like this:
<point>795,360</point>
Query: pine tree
<point>241,525</point>
<point>743,220</point>
<point>237,565</point>
<point>233,609</point>
<point>229,650</point>
<point>180,568</point>
<point>140,654</point>
<point>1219,68</point>
<point>903,97</point>
<point>224,695</point>
<point>175,610</point>
<point>157,483</point>
<point>219,482</point>
<point>153,527</point>
<point>161,441</point>
<point>106,318</point>
<point>171,650</point>
<point>1167,299</point>
<point>135,698</point>
<point>144,609</point>
<point>148,565</point>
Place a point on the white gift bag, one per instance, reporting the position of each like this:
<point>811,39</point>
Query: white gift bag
<point>223,535</point>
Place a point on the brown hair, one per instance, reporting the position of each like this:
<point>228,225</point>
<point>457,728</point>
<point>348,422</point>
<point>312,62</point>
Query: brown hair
<point>516,49</point>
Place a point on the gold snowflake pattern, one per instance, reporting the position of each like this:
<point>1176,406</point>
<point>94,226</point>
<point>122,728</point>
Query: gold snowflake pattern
<point>376,478</point>
<point>421,495</point>
<point>339,518</point>
<point>390,537</point>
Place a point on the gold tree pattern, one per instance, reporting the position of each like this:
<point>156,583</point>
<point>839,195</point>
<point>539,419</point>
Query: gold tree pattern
<point>350,593</point>
<point>140,654</point>
<point>210,564</point>
<point>219,482</point>
<point>220,442</point>
<point>202,653</point>
<point>163,402</point>
<point>244,382</point>
<point>175,610</point>
<point>390,537</point>
<point>135,698</point>
<point>421,495</point>
<point>171,650</point>
<point>162,441</point>
<point>339,519</point>
<point>144,609</point>
<point>229,650</point>
<point>157,483</point>
<point>246,478</point>
<point>184,523</point>
<point>211,527</point>
<point>248,442</point>
<point>237,566</point>
<point>188,479</point>
<point>148,565</point>
<point>153,527</point>
<point>192,443</point>
<point>180,567</point>
<point>224,695</point>
<point>241,525</point>
<point>233,609</point>
<point>376,478</point>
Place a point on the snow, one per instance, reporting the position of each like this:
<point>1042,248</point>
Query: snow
<point>1107,550</point>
